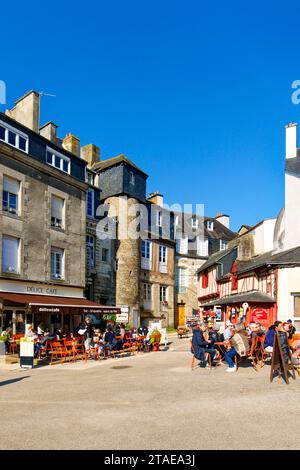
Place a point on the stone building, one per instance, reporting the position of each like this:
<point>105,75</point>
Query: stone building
<point>197,238</point>
<point>42,221</point>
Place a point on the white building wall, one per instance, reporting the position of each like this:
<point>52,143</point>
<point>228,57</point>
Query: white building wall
<point>264,235</point>
<point>288,283</point>
<point>292,210</point>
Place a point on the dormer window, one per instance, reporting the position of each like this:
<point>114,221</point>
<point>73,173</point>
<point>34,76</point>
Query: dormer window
<point>210,225</point>
<point>91,178</point>
<point>58,160</point>
<point>194,222</point>
<point>132,178</point>
<point>159,219</point>
<point>13,137</point>
<point>223,245</point>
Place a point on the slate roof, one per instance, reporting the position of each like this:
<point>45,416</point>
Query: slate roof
<point>289,257</point>
<point>102,165</point>
<point>220,232</point>
<point>253,296</point>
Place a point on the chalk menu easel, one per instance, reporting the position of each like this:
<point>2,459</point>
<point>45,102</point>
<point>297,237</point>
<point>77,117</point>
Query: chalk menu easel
<point>281,358</point>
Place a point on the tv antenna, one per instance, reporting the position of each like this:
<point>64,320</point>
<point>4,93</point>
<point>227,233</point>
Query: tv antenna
<point>42,93</point>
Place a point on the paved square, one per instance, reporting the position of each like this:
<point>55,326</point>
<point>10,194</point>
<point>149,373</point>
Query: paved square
<point>149,401</point>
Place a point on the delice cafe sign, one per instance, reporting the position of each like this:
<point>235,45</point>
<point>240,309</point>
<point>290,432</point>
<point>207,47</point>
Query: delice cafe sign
<point>19,287</point>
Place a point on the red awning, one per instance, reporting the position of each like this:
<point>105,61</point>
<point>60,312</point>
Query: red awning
<point>46,303</point>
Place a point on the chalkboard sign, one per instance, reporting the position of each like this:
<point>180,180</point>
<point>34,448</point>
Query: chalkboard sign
<point>281,358</point>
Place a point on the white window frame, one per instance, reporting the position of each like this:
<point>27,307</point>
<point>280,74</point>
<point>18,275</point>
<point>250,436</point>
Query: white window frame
<point>210,225</point>
<point>164,297</point>
<point>56,223</point>
<point>202,246</point>
<point>182,245</point>
<point>17,194</point>
<point>163,258</point>
<point>182,280</point>
<point>223,245</point>
<point>294,318</point>
<point>195,222</point>
<point>159,219</point>
<point>18,133</point>
<point>62,158</point>
<point>53,274</point>
<point>90,191</point>
<point>17,271</point>
<point>146,261</point>
<point>147,292</point>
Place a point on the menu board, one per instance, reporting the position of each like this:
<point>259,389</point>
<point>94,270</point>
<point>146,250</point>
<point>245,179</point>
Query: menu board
<point>281,358</point>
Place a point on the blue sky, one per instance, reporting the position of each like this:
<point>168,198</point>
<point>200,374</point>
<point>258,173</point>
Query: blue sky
<point>196,94</point>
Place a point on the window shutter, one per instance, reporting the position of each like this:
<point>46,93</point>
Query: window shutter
<point>11,186</point>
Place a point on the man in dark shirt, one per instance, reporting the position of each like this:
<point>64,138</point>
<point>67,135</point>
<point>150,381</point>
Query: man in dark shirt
<point>202,346</point>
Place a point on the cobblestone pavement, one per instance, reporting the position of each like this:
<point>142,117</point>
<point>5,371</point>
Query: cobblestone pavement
<point>149,401</point>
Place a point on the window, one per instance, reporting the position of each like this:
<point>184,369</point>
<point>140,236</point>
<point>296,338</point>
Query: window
<point>146,255</point>
<point>194,222</point>
<point>163,254</point>
<point>146,249</point>
<point>147,292</point>
<point>181,280</point>
<point>163,294</point>
<point>90,251</point>
<point>210,225</point>
<point>132,178</point>
<point>57,256</point>
<point>14,137</point>
<point>182,245</point>
<point>105,253</point>
<point>10,255</point>
<point>223,245</point>
<point>10,195</point>
<point>162,259</point>
<point>205,280</point>
<point>59,161</point>
<point>117,264</point>
<point>159,219</point>
<point>57,207</point>
<point>297,312</point>
<point>202,247</point>
<point>90,203</point>
<point>91,178</point>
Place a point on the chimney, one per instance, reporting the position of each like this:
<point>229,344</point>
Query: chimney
<point>49,131</point>
<point>72,144</point>
<point>291,140</point>
<point>156,198</point>
<point>27,110</point>
<point>91,154</point>
<point>223,219</point>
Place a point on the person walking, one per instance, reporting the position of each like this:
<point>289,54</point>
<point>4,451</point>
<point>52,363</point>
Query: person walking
<point>86,330</point>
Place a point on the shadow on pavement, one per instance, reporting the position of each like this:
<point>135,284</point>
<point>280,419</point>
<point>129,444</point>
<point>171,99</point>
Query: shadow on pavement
<point>11,381</point>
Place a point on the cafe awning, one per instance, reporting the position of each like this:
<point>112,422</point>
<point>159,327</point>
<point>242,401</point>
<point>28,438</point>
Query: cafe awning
<point>57,305</point>
<point>253,296</point>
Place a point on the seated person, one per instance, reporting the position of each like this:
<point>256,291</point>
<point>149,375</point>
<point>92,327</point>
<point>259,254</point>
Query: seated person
<point>202,346</point>
<point>229,331</point>
<point>42,343</point>
<point>269,339</point>
<point>154,337</point>
<point>238,345</point>
<point>110,339</point>
<point>296,352</point>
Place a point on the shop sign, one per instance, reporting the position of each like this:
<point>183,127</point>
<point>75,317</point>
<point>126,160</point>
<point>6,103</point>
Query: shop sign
<point>259,315</point>
<point>122,317</point>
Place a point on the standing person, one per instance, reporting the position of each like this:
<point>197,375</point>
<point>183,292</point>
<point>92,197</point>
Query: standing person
<point>202,346</point>
<point>122,330</point>
<point>86,330</point>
